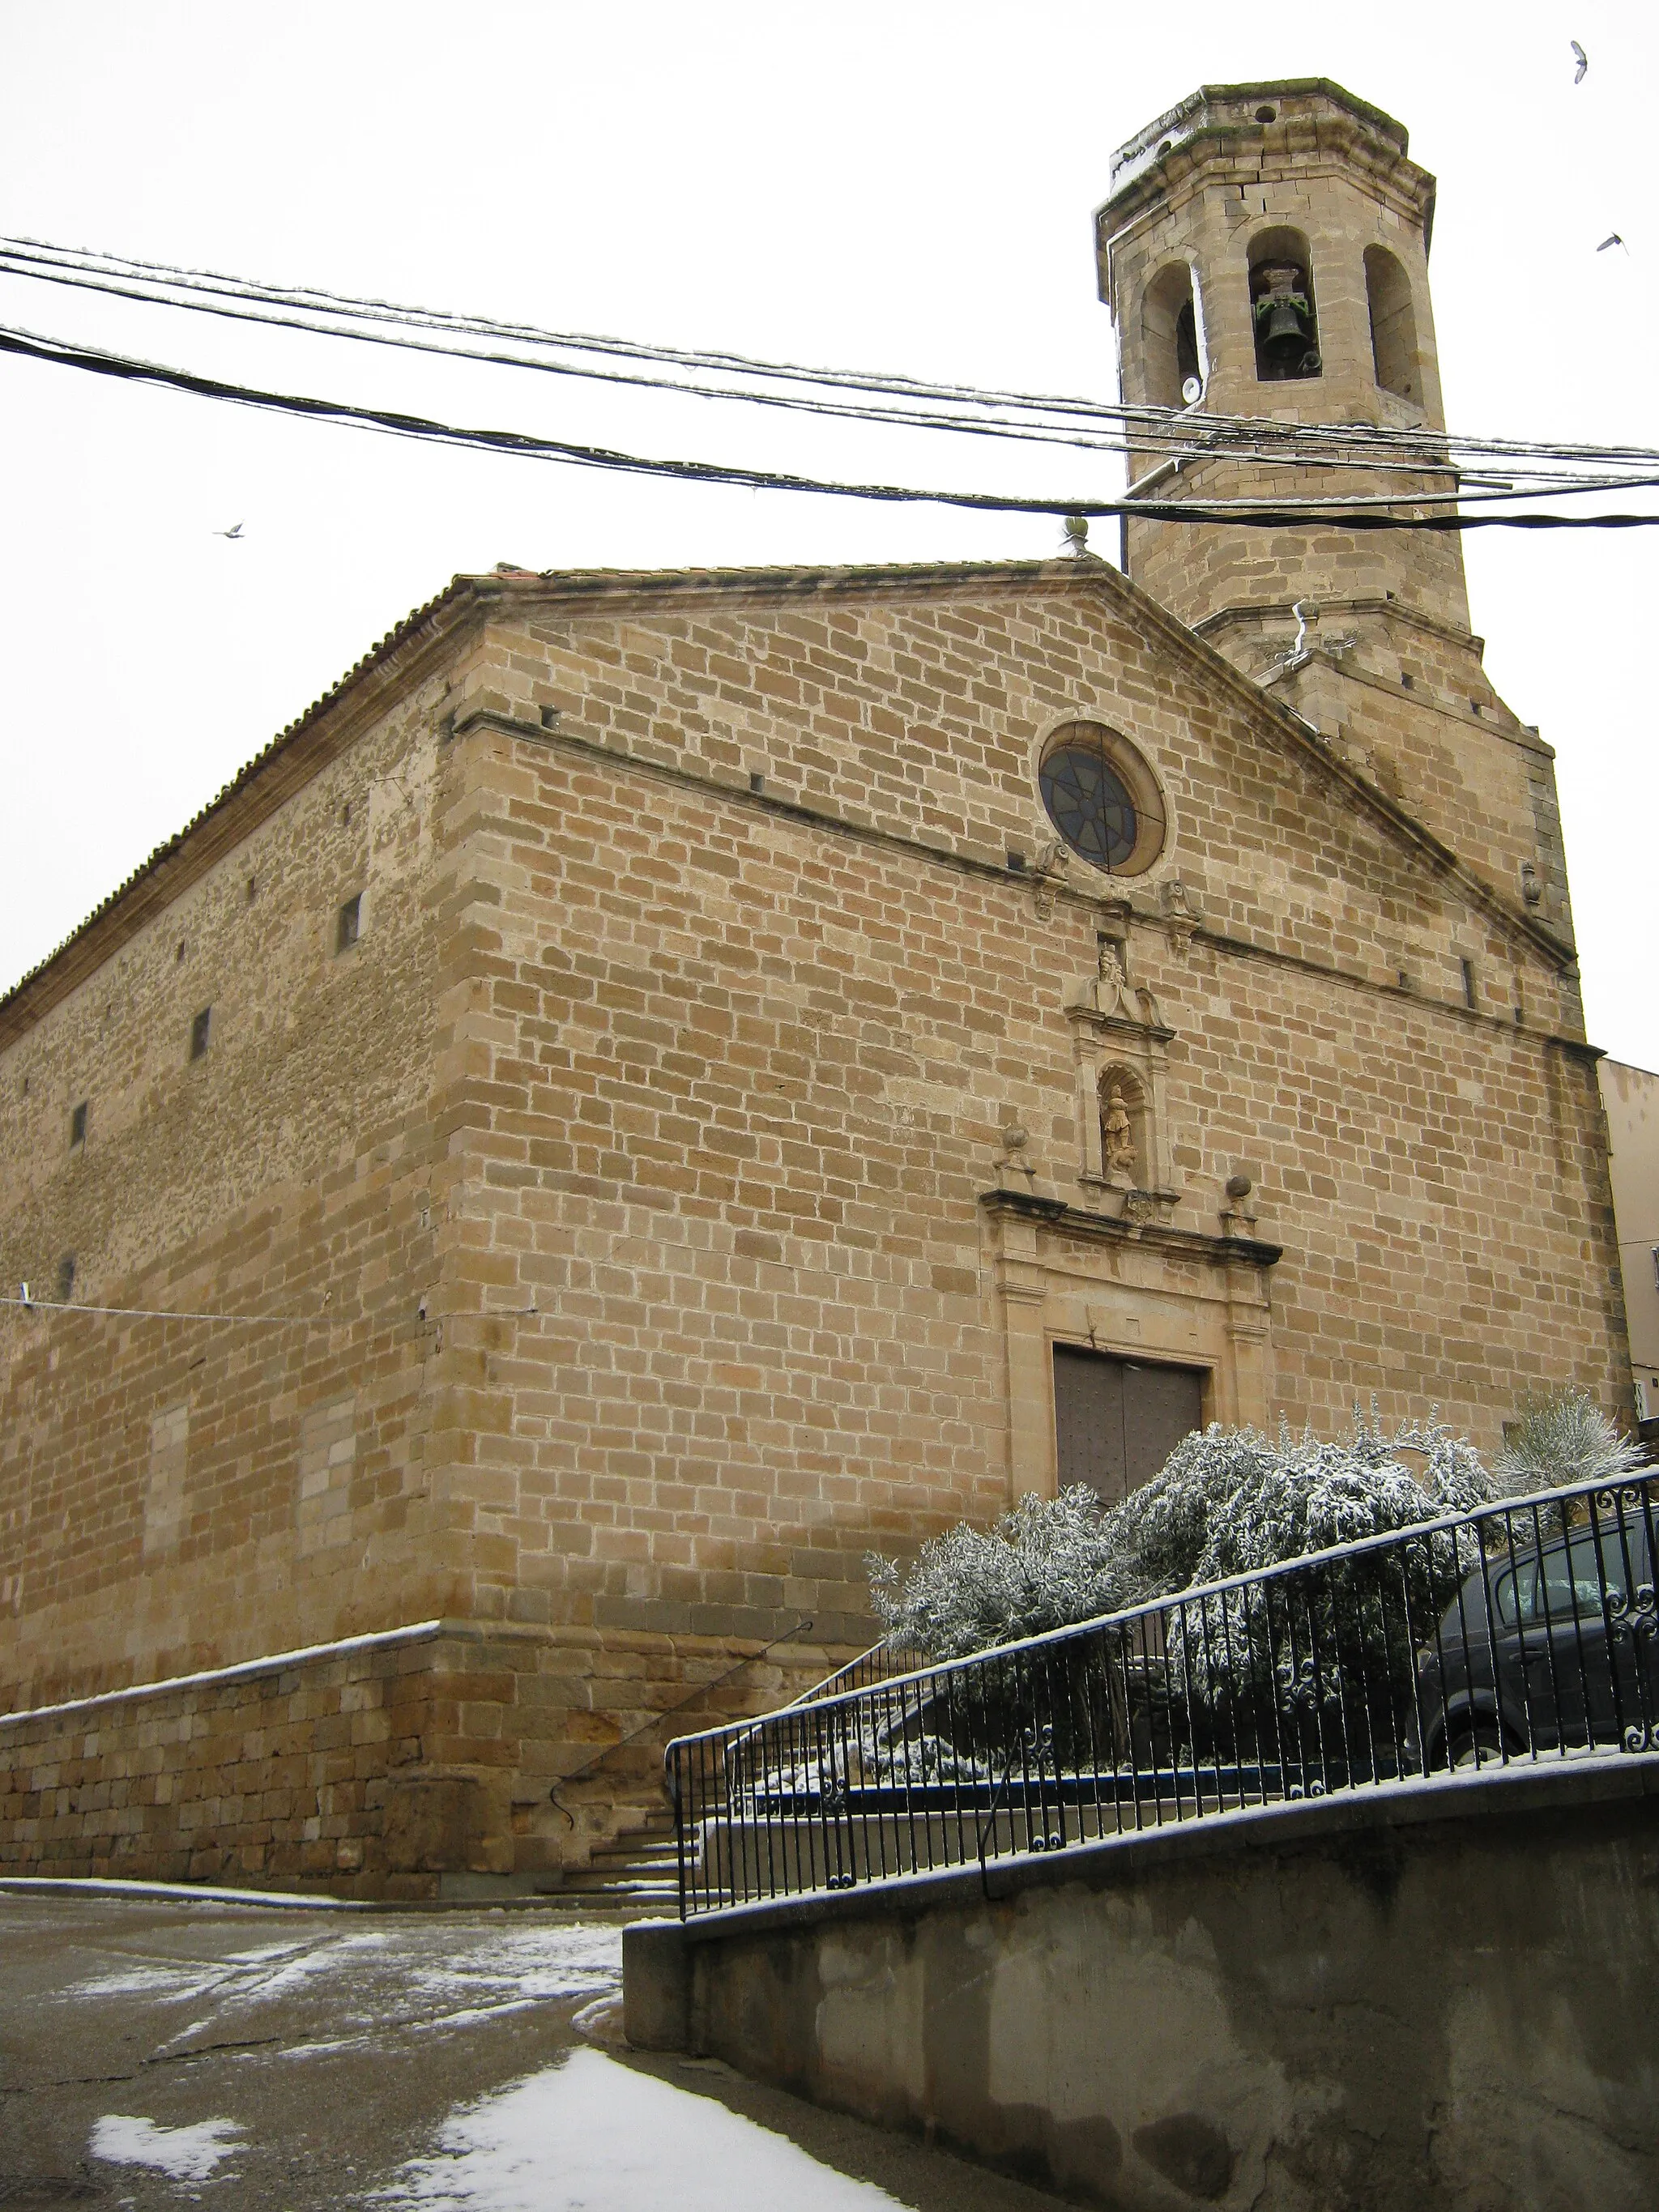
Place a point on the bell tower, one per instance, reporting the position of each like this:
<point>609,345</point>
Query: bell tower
<point>1265,254</point>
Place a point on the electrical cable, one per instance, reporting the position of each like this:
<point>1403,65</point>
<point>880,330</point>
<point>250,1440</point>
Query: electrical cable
<point>222,304</point>
<point>148,1313</point>
<point>1185,432</point>
<point>1262,513</point>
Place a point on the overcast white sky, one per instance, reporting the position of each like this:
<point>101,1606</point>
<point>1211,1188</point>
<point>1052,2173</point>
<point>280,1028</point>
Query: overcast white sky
<point>898,186</point>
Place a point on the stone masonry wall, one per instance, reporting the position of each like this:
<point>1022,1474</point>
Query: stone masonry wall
<point>732,1081</point>
<point>413,1765</point>
<point>626,1174</point>
<point>163,1506</point>
<point>1409,704</point>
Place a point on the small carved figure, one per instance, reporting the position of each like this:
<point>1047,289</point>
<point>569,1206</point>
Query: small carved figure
<point>1117,1138</point>
<point>1180,918</point>
<point>1112,981</point>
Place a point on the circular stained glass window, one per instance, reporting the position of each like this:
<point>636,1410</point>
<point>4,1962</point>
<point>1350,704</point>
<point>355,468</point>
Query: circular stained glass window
<point>1101,798</point>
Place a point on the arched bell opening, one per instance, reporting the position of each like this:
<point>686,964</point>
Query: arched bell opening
<point>1393,324</point>
<point>1172,346</point>
<point>1126,1152</point>
<point>1283,312</point>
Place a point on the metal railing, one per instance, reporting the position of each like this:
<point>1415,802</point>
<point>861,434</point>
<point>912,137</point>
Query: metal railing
<point>1524,1632</point>
<point>607,1751</point>
<point>880,1663</point>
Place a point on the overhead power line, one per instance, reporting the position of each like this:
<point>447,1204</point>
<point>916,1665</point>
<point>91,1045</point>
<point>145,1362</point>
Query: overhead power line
<point>31,346</point>
<point>907,403</point>
<point>162,1313</point>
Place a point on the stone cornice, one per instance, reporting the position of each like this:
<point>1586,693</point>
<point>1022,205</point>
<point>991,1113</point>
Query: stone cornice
<point>1244,611</point>
<point>1098,1228</point>
<point>1213,130</point>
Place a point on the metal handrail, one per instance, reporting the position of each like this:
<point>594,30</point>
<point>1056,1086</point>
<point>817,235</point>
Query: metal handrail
<point>1359,1664</point>
<point>873,1658</point>
<point>1304,1560</point>
<point>646,1728</point>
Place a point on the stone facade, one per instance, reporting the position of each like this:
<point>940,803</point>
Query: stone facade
<point>649,1136</point>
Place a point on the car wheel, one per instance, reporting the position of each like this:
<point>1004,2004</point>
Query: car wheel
<point>1481,1745</point>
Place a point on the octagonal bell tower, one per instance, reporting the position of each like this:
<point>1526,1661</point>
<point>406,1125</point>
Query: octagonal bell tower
<point>1265,252</point>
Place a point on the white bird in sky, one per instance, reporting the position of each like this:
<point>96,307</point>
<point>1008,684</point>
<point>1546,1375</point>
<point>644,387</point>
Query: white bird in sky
<point>1614,239</point>
<point>1582,58</point>
<point>235,532</point>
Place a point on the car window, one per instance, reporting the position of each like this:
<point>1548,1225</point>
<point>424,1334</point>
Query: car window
<point>1567,1582</point>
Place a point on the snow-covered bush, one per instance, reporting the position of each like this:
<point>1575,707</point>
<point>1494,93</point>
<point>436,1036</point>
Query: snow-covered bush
<point>1048,1563</point>
<point>1228,1500</point>
<point>1564,1436</point>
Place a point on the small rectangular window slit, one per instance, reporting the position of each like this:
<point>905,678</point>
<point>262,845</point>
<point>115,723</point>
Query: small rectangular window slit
<point>199,1030</point>
<point>349,925</point>
<point>78,1125</point>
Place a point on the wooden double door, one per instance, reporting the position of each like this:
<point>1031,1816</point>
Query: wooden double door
<point>1117,1420</point>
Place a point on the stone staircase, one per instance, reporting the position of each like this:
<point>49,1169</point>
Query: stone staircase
<point>637,1872</point>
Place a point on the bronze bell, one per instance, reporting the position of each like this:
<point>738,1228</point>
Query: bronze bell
<point>1285,340</point>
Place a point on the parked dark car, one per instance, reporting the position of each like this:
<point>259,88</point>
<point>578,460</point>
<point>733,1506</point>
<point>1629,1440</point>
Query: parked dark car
<point>1549,1647</point>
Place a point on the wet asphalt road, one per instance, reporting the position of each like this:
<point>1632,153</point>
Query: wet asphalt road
<point>337,2042</point>
<point>337,2046</point>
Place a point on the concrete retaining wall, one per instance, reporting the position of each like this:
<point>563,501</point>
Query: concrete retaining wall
<point>1435,1995</point>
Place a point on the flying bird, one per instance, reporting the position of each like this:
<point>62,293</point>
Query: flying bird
<point>235,532</point>
<point>1582,58</point>
<point>1614,239</point>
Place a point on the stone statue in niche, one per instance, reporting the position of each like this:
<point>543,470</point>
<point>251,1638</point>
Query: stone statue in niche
<point>1111,992</point>
<point>1117,1138</point>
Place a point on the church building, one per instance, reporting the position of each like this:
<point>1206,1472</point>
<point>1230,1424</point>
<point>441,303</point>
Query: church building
<point>659,1085</point>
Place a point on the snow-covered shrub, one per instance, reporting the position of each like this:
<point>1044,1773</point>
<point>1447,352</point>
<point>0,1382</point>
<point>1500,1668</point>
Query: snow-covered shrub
<point>1564,1436</point>
<point>1228,1501</point>
<point>1048,1563</point>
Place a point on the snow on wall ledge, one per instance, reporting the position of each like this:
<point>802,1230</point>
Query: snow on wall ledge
<point>1434,1995</point>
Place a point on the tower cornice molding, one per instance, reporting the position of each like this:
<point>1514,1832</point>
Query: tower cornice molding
<point>1215,129</point>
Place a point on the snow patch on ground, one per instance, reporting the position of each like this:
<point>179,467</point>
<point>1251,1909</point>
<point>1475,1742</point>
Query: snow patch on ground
<point>592,2135</point>
<point>185,2154</point>
<point>168,1982</point>
<point>425,1979</point>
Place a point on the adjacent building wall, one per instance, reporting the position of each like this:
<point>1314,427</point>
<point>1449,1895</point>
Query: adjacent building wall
<point>1630,1096</point>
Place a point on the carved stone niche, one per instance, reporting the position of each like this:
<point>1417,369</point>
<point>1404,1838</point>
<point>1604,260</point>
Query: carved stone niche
<point>1120,1047</point>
